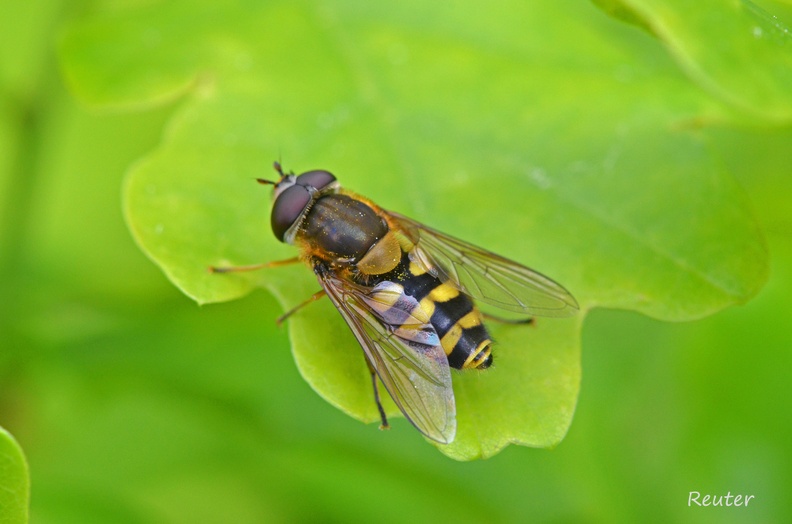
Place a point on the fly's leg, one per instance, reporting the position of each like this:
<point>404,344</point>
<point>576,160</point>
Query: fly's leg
<point>383,418</point>
<point>253,267</point>
<point>278,263</point>
<point>313,298</point>
<point>517,321</point>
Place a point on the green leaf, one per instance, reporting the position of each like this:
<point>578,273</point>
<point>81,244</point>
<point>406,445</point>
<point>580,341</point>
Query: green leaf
<point>582,157</point>
<point>734,49</point>
<point>14,481</point>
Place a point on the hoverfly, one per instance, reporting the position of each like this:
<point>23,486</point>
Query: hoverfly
<point>406,291</point>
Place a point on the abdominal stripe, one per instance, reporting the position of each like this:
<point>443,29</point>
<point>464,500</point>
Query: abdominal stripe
<point>451,313</point>
<point>446,314</point>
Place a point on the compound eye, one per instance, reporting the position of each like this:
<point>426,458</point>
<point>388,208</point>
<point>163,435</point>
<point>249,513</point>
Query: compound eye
<point>287,209</point>
<point>318,179</point>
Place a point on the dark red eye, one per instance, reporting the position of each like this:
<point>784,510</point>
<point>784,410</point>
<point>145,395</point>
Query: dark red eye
<point>318,179</point>
<point>287,209</point>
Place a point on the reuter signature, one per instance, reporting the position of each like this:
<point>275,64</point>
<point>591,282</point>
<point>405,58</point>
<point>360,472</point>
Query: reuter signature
<point>718,500</point>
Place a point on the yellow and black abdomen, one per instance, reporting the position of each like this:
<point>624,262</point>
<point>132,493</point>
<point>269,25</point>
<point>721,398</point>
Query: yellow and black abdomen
<point>452,313</point>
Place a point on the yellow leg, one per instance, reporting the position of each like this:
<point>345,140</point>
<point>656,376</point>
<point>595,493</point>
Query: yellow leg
<point>313,298</point>
<point>253,267</point>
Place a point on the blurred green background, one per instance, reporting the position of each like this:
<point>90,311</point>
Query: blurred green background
<point>133,404</point>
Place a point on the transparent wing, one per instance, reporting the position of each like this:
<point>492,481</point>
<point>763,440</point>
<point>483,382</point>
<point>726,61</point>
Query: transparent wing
<point>404,349</point>
<point>486,276</point>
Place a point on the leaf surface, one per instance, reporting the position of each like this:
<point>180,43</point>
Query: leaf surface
<point>553,136</point>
